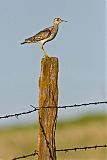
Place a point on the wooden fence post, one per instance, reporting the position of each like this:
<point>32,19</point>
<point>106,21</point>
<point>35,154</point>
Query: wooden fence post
<point>48,101</point>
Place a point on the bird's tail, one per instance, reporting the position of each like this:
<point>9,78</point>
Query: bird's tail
<point>23,42</point>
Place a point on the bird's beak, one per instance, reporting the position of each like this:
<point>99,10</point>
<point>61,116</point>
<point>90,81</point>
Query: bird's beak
<point>63,20</point>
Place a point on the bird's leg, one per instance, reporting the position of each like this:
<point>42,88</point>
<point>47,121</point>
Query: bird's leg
<point>45,54</point>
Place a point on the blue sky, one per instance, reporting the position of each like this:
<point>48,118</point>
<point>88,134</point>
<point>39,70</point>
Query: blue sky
<point>79,46</point>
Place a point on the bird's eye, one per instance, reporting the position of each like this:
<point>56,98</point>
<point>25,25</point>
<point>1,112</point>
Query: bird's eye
<point>57,19</point>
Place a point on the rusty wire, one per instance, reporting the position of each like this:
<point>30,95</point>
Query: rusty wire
<point>65,150</point>
<point>59,107</point>
<point>82,148</point>
<point>26,156</point>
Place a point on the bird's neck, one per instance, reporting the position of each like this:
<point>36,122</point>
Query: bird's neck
<point>56,25</point>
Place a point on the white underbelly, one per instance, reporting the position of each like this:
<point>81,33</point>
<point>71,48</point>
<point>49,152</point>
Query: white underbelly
<point>47,39</point>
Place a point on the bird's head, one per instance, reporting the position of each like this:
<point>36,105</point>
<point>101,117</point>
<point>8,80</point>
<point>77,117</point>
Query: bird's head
<point>58,20</point>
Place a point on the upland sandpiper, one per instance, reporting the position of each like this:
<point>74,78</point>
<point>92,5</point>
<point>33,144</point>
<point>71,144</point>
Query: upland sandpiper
<point>45,35</point>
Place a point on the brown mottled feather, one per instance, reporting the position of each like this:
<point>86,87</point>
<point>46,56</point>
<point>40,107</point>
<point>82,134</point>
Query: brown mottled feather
<point>39,36</point>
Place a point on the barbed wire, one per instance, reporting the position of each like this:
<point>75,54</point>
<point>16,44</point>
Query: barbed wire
<point>60,107</point>
<point>82,148</point>
<point>65,150</point>
<point>17,114</point>
<point>26,156</point>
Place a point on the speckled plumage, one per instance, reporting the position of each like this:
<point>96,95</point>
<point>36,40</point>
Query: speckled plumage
<point>45,35</point>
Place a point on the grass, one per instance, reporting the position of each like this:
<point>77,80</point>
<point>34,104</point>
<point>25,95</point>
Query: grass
<point>84,131</point>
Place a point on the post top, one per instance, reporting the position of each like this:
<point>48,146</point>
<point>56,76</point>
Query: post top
<point>49,59</point>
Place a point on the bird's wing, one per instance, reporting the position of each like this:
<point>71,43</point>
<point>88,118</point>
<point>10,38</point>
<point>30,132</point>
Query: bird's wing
<point>39,36</point>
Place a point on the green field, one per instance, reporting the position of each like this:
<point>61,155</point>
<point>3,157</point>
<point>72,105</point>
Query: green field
<point>85,131</point>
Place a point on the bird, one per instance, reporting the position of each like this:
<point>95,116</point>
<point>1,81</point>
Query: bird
<point>45,35</point>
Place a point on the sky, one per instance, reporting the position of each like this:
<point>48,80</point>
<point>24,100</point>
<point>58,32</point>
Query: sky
<point>80,47</point>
